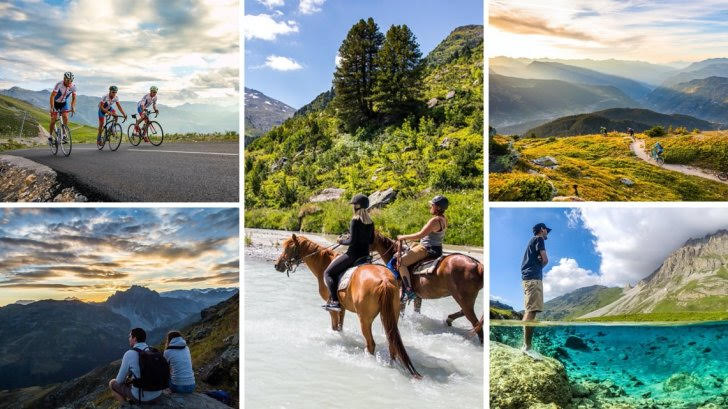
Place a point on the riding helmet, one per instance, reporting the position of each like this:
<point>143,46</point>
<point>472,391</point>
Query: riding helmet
<point>113,88</point>
<point>68,76</point>
<point>361,200</point>
<point>440,201</point>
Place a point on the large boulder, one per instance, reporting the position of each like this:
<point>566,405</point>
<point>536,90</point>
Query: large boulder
<point>184,401</point>
<point>381,198</point>
<point>518,381</point>
<point>330,193</point>
<point>546,161</point>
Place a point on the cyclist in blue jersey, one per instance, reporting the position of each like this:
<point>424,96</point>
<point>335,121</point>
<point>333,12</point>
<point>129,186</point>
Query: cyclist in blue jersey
<point>106,106</point>
<point>59,101</point>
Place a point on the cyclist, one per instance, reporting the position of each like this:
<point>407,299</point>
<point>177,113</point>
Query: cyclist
<point>59,101</point>
<point>657,150</point>
<point>603,130</point>
<point>630,131</point>
<point>149,100</point>
<point>106,106</point>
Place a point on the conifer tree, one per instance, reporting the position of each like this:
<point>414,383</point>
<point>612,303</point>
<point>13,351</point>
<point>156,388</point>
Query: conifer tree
<point>398,84</point>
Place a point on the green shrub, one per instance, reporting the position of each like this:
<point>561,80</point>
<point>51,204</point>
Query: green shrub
<point>529,188</point>
<point>656,131</point>
<point>681,131</point>
<point>551,139</point>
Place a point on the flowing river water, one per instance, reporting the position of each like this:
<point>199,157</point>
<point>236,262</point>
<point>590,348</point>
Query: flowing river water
<point>294,360</point>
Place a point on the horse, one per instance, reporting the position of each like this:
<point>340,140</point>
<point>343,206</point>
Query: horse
<point>372,290</point>
<point>457,275</point>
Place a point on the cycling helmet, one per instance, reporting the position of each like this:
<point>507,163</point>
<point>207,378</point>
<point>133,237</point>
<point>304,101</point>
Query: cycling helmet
<point>153,89</point>
<point>361,200</point>
<point>440,201</point>
<point>68,75</point>
<point>113,88</point>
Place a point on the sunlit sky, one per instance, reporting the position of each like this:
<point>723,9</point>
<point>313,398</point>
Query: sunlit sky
<point>189,49</point>
<point>661,31</point>
<point>90,253</point>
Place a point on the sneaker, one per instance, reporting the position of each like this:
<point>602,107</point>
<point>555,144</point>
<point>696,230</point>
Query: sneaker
<point>332,306</point>
<point>533,354</point>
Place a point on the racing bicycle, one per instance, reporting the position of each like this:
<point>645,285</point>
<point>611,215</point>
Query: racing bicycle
<point>149,131</point>
<point>61,136</point>
<point>112,132</point>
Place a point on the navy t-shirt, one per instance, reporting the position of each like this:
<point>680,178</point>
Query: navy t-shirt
<point>531,267</point>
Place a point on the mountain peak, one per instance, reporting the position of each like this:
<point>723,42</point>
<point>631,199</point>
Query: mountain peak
<point>460,39</point>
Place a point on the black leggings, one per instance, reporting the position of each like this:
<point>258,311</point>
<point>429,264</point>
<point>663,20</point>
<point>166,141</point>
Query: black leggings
<point>333,273</point>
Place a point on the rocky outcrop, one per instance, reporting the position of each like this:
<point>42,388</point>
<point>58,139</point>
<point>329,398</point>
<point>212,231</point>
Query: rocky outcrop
<point>330,193</point>
<point>381,198</point>
<point>183,401</point>
<point>22,180</point>
<point>518,381</point>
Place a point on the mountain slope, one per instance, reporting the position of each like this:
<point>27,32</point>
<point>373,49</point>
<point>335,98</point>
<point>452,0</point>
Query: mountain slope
<point>263,113</point>
<point>618,119</point>
<point>705,98</point>
<point>214,347</point>
<point>694,278</point>
<point>49,341</point>
<point>515,101</point>
<point>716,67</point>
<point>201,118</point>
<point>579,302</point>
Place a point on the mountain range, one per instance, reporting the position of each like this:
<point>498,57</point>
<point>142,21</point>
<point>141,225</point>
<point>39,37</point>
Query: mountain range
<point>520,102</point>
<point>263,113</point>
<point>185,118</point>
<point>691,281</point>
<point>51,341</point>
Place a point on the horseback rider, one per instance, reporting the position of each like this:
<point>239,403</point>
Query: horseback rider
<point>360,237</point>
<point>430,244</point>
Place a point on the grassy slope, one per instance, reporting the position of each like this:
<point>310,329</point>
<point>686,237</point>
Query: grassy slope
<point>407,157</point>
<point>662,317</point>
<point>708,150</point>
<point>585,304</point>
<point>597,163</point>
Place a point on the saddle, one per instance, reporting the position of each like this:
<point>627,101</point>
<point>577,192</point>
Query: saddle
<point>427,265</point>
<point>346,277</point>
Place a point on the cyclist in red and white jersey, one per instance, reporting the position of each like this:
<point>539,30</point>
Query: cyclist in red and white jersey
<point>106,106</point>
<point>148,100</point>
<point>59,100</point>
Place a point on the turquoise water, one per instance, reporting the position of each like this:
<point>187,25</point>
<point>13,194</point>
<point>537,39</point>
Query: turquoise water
<point>639,359</point>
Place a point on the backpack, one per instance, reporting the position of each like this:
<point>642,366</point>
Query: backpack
<point>154,370</point>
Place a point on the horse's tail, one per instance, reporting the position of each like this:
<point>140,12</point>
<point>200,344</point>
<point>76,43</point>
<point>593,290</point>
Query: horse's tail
<point>387,299</point>
<point>477,328</point>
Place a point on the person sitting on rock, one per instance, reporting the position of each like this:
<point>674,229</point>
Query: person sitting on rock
<point>430,236</point>
<point>121,387</point>
<point>182,377</point>
<point>534,260</point>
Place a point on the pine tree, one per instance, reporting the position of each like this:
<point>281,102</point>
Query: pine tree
<point>355,75</point>
<point>398,85</point>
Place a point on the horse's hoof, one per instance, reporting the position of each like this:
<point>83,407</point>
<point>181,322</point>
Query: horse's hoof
<point>448,322</point>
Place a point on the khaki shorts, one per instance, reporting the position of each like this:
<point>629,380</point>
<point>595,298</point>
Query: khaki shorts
<point>123,390</point>
<point>533,290</point>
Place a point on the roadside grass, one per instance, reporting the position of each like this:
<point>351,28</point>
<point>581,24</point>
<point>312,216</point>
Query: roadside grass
<point>403,216</point>
<point>596,164</point>
<point>707,150</point>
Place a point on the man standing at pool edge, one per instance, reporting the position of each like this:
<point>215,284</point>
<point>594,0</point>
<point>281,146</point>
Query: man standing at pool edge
<point>534,259</point>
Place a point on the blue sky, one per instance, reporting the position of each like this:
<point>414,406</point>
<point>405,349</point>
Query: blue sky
<point>189,49</point>
<point>307,35</point>
<point>612,246</point>
<point>90,253</point>
<point>510,231</point>
<point>660,31</point>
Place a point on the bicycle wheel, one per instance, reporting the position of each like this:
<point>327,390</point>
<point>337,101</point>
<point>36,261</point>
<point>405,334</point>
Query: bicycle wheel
<point>53,143</point>
<point>115,136</point>
<point>155,133</point>
<point>660,161</point>
<point>68,143</point>
<point>723,176</point>
<point>133,139</point>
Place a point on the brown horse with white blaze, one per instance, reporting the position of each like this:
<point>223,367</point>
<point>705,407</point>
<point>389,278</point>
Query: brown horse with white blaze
<point>457,275</point>
<point>372,290</point>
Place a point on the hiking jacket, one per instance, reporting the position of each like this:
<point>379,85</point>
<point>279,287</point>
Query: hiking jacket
<point>180,363</point>
<point>130,365</point>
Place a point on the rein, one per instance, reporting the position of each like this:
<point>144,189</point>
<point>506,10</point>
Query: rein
<point>295,261</point>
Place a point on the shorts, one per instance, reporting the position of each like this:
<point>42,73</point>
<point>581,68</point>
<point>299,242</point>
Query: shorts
<point>102,115</point>
<point>63,106</point>
<point>533,292</point>
<point>140,110</point>
<point>122,389</point>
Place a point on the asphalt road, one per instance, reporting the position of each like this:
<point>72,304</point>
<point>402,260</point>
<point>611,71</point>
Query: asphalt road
<point>172,172</point>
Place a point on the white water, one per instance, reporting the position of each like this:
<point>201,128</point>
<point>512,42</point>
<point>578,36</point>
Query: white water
<point>294,360</point>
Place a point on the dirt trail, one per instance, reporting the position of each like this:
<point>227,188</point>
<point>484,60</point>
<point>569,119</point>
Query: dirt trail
<point>638,147</point>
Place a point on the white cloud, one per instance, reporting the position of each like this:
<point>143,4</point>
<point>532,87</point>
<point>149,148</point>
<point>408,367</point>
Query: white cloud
<point>271,3</point>
<point>310,6</point>
<point>567,276</point>
<point>264,27</point>
<point>279,63</point>
<point>573,217</point>
<point>633,242</point>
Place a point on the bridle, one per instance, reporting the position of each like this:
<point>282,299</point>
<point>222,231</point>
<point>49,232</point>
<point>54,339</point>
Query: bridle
<point>291,263</point>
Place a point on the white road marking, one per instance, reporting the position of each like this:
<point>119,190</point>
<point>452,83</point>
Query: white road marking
<point>193,152</point>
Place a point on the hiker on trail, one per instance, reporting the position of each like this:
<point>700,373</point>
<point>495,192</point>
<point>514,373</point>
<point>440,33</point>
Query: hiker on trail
<point>361,236</point>
<point>137,385</point>
<point>603,130</point>
<point>430,245</point>
<point>630,131</point>
<point>177,353</point>
<point>534,259</point>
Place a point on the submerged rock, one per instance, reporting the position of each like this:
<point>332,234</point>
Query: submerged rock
<point>518,381</point>
<point>577,343</point>
<point>680,381</point>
